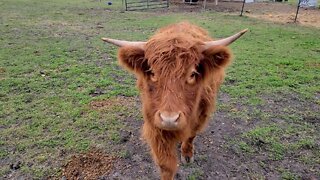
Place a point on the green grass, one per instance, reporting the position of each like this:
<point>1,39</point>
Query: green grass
<point>195,174</point>
<point>52,59</point>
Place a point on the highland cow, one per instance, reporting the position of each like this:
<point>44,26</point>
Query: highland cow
<point>179,71</point>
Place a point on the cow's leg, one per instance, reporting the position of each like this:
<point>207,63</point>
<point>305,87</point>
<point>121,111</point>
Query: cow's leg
<point>165,157</point>
<point>187,149</point>
<point>163,150</point>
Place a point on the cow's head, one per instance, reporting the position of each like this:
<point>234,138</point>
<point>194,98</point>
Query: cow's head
<point>171,74</point>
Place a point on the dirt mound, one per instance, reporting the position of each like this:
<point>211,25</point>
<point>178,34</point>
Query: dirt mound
<point>92,165</point>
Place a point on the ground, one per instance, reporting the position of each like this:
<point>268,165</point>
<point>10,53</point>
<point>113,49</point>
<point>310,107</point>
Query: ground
<point>283,13</point>
<point>215,157</point>
<point>68,111</point>
<point>270,11</point>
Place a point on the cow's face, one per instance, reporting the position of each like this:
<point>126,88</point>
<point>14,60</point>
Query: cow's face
<point>172,80</point>
<point>172,97</point>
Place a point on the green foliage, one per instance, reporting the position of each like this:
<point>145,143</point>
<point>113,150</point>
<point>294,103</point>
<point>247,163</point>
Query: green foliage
<point>266,137</point>
<point>287,175</point>
<point>195,174</point>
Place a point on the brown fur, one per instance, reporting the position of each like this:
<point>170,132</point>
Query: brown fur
<point>162,71</point>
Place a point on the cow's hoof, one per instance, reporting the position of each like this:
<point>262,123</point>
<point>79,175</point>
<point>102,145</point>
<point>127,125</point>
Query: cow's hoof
<point>186,159</point>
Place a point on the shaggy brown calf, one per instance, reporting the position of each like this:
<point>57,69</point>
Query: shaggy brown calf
<point>179,71</point>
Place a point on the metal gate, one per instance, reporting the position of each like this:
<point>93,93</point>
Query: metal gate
<point>134,5</point>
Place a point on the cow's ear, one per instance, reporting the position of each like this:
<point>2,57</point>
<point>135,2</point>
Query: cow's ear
<point>133,59</point>
<point>216,57</point>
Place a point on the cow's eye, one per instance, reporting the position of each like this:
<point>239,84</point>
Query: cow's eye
<point>152,76</point>
<point>192,77</point>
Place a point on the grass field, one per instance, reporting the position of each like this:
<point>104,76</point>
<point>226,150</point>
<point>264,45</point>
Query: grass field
<point>53,65</point>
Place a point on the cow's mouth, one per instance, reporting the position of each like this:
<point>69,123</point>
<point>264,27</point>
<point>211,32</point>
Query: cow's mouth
<point>170,121</point>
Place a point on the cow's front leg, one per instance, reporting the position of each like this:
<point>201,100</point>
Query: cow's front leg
<point>187,150</point>
<point>165,157</point>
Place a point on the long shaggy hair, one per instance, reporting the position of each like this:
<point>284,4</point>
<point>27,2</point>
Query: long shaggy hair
<point>174,74</point>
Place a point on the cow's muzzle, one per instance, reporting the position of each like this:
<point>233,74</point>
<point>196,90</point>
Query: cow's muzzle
<point>170,120</point>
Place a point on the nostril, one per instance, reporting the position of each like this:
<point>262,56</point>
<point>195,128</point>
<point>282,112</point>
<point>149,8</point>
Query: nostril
<point>169,117</point>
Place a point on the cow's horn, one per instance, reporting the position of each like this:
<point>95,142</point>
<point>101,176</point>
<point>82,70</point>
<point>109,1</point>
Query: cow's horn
<point>225,41</point>
<point>122,43</point>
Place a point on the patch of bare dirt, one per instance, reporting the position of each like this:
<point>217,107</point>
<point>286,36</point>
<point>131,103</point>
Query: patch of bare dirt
<point>2,72</point>
<point>91,165</point>
<point>271,11</point>
<point>113,102</point>
<point>283,13</point>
